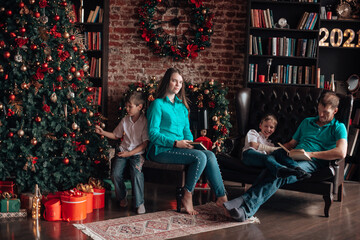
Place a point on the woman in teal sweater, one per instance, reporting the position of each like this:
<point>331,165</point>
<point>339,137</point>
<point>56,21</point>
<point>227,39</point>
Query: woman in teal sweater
<point>170,137</point>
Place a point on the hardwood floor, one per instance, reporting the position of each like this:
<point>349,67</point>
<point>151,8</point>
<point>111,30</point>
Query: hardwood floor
<point>287,215</point>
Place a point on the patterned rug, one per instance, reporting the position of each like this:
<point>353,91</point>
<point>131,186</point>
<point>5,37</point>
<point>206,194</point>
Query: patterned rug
<point>161,225</point>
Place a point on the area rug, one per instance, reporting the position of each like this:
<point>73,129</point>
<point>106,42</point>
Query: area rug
<point>161,225</point>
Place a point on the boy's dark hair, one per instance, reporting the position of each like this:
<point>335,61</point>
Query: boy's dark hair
<point>136,98</point>
<point>268,117</point>
<point>329,99</point>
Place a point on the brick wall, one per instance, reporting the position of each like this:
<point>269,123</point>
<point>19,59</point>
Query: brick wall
<point>130,60</point>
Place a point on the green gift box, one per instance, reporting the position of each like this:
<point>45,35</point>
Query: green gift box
<point>10,205</point>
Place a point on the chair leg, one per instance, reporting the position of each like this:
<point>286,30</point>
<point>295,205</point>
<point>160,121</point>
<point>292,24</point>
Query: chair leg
<point>340,193</point>
<point>179,196</point>
<point>328,201</point>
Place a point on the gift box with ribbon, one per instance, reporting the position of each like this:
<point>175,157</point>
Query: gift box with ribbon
<point>7,186</point>
<point>10,203</point>
<point>73,205</point>
<point>26,200</point>
<point>99,193</point>
<point>88,190</point>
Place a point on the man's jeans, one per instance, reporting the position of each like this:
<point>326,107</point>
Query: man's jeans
<point>198,161</point>
<point>118,165</point>
<point>259,193</point>
<point>256,159</point>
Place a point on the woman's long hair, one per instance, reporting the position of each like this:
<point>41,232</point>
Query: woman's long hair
<point>164,84</point>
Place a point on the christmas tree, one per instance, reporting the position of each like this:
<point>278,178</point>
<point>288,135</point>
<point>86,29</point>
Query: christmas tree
<point>47,109</point>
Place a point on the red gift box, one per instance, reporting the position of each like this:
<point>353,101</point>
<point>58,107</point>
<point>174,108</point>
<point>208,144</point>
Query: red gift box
<point>73,208</point>
<point>7,186</point>
<point>89,202</point>
<point>99,198</point>
<point>52,210</point>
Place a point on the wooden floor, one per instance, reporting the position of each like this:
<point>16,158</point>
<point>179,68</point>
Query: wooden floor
<point>287,215</point>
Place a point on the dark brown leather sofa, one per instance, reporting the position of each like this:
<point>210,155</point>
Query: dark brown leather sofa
<point>291,104</point>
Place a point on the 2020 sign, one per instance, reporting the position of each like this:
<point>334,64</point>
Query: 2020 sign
<point>338,38</point>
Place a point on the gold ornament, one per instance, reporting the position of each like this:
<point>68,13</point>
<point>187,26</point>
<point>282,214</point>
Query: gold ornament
<point>1,106</point>
<point>102,125</point>
<point>91,114</point>
<point>89,123</point>
<point>69,77</point>
<point>74,126</point>
<point>214,118</point>
<point>66,35</point>
<point>53,98</point>
<point>31,1</point>
<point>203,11</point>
<point>1,69</point>
<point>77,74</point>
<point>21,132</point>
<point>156,42</point>
<point>49,58</point>
<point>24,86</point>
<point>23,68</point>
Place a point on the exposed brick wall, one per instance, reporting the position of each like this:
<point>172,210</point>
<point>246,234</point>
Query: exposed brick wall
<point>130,60</point>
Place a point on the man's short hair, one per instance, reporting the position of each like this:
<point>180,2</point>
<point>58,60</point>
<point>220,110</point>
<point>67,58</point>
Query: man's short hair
<point>329,99</point>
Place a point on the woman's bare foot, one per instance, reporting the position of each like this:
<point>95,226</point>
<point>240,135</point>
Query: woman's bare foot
<point>188,204</point>
<point>220,203</point>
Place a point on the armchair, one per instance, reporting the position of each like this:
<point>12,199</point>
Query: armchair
<point>291,104</point>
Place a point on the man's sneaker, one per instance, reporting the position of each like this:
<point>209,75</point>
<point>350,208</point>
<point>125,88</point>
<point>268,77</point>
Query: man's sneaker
<point>141,209</point>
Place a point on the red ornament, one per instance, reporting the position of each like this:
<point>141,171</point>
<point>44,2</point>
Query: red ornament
<point>75,48</point>
<point>33,47</point>
<point>58,87</point>
<point>38,119</point>
<point>50,70</point>
<point>191,86</point>
<point>61,46</point>
<point>72,69</point>
<point>66,161</point>
<point>10,134</point>
<point>58,68</point>
<point>12,97</point>
<point>168,42</point>
<point>90,89</point>
<point>65,135</point>
<point>2,43</point>
<point>200,29</point>
<point>64,4</point>
<point>59,78</point>
<point>159,1</point>
<point>44,65</point>
<point>72,37</point>
<point>9,12</point>
<point>73,135</point>
<point>7,54</point>
<point>86,142</point>
<point>21,5</point>
<point>202,48</point>
<point>22,30</point>
<point>12,35</point>
<point>37,14</point>
<point>83,110</point>
<point>57,18</point>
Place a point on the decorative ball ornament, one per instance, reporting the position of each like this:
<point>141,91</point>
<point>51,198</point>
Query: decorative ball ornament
<point>44,19</point>
<point>66,161</point>
<point>72,135</point>
<point>56,17</point>
<point>1,106</point>
<point>77,74</point>
<point>10,134</point>
<point>21,5</point>
<point>215,118</point>
<point>72,37</point>
<point>86,67</point>
<point>53,97</point>
<point>24,85</point>
<point>59,78</point>
<point>49,58</point>
<point>91,114</point>
<point>18,58</point>
<point>37,119</point>
<point>37,15</point>
<point>23,68</point>
<point>74,126</point>
<point>33,141</point>
<point>31,1</point>
<point>66,35</point>
<point>33,46</point>
<point>86,141</point>
<point>157,27</point>
<point>83,110</point>
<point>102,125</point>
<point>12,97</point>
<point>69,77</point>
<point>20,133</point>
<point>72,69</point>
<point>6,54</point>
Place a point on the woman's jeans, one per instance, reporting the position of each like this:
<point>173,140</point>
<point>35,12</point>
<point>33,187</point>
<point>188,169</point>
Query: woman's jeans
<point>198,161</point>
<point>118,165</point>
<point>256,159</point>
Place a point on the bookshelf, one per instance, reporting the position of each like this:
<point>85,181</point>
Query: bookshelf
<point>278,51</point>
<point>93,22</point>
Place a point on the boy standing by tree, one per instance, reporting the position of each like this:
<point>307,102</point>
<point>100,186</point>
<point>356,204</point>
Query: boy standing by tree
<point>133,129</point>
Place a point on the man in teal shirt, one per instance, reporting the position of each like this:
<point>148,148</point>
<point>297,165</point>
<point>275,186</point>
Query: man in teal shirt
<point>323,138</point>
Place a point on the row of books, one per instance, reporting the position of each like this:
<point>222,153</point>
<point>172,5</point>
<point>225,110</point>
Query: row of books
<point>93,40</point>
<point>95,67</point>
<point>288,74</point>
<point>95,15</point>
<point>350,170</point>
<point>282,46</point>
<point>262,18</point>
<point>308,21</point>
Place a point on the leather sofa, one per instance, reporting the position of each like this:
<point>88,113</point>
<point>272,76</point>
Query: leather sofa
<point>291,104</point>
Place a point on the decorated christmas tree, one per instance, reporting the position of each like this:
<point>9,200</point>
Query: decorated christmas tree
<point>47,112</point>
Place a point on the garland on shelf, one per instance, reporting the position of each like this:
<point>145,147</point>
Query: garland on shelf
<point>208,95</point>
<point>164,44</point>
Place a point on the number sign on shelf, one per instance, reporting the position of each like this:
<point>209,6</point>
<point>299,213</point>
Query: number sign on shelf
<point>337,36</point>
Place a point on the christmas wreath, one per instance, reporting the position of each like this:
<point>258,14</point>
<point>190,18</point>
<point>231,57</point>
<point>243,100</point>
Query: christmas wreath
<point>208,95</point>
<point>195,38</point>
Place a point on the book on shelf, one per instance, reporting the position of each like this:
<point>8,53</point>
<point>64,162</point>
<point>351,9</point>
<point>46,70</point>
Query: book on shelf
<point>255,72</point>
<point>96,14</point>
<point>318,78</point>
<point>322,81</point>
<point>308,20</point>
<point>101,15</point>
<point>303,20</point>
<point>250,44</point>
<point>91,13</point>
<point>260,46</point>
<point>294,74</point>
<point>313,21</point>
<point>96,95</point>
<point>300,74</point>
<point>353,140</point>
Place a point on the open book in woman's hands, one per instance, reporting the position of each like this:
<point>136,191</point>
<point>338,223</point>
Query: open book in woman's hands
<point>296,154</point>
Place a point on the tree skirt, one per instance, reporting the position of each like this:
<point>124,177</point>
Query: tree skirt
<point>161,225</point>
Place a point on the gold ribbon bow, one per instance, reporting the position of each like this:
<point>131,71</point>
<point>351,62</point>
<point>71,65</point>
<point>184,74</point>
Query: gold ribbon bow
<point>85,188</point>
<point>96,183</point>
